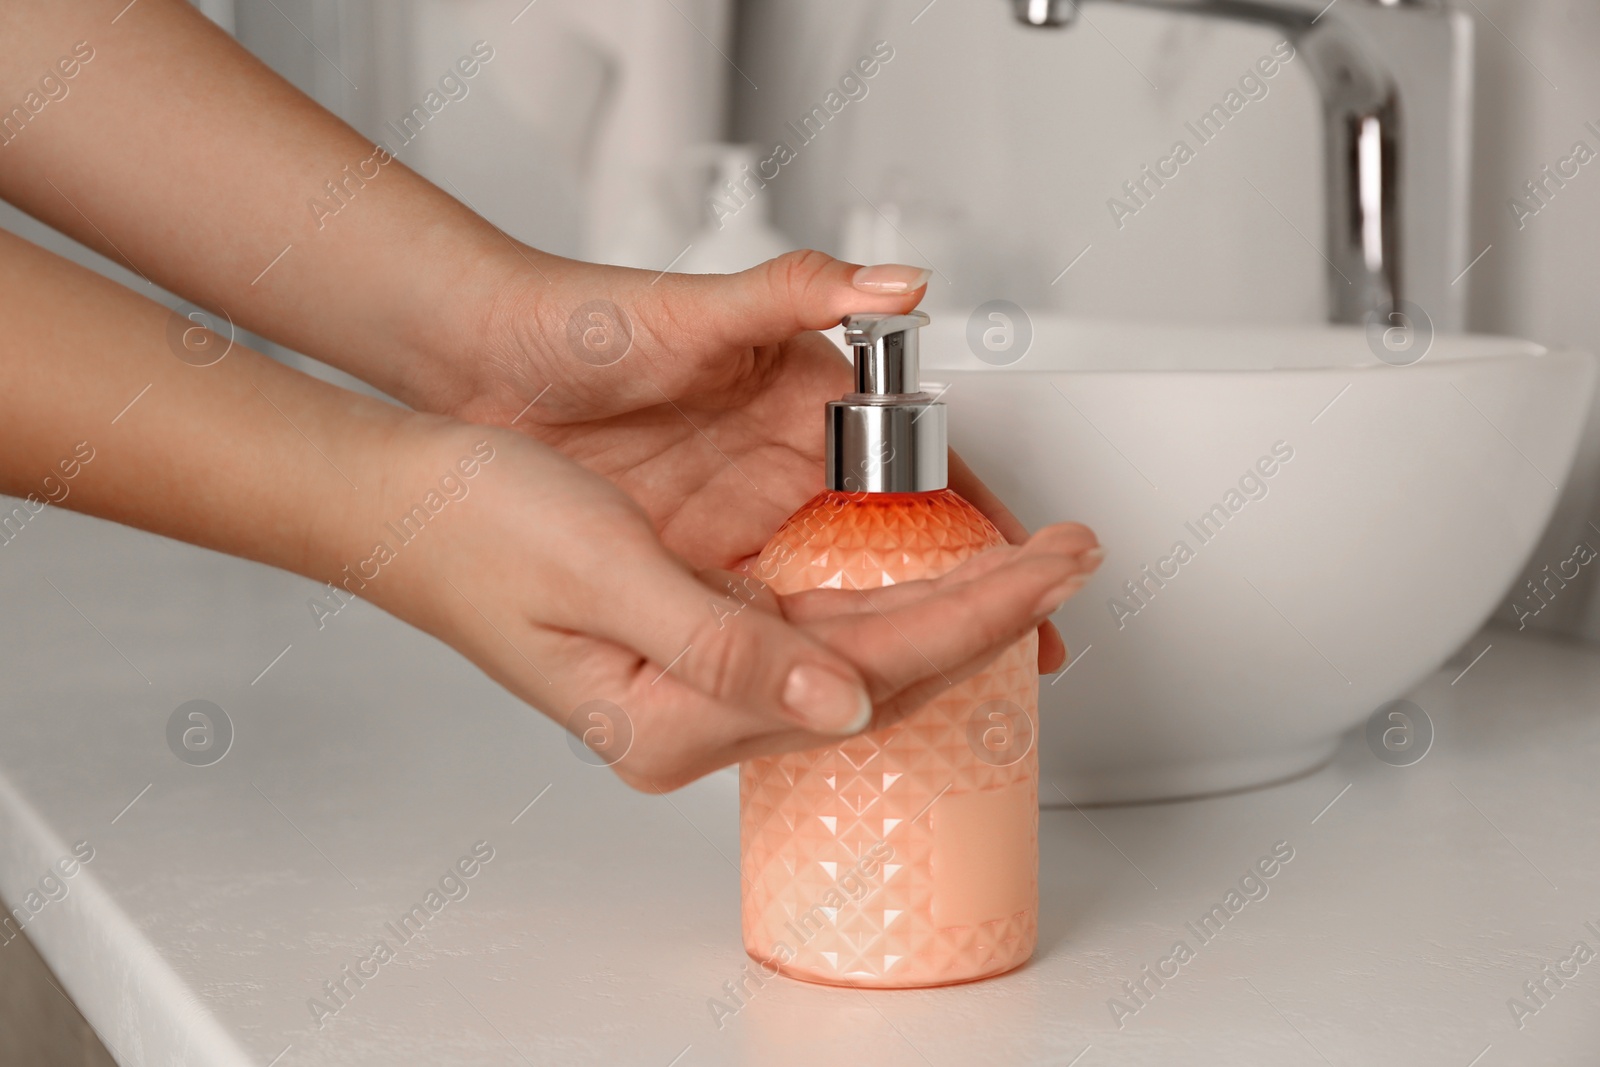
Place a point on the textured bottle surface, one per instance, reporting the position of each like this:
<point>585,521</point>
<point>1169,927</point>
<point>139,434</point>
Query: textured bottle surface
<point>908,855</point>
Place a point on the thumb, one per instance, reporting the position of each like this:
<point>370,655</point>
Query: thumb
<point>799,291</point>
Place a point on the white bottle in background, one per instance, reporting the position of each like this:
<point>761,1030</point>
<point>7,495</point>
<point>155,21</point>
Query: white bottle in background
<point>900,227</point>
<point>738,232</point>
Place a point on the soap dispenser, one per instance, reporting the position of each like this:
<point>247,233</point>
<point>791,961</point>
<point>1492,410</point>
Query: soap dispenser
<point>907,855</point>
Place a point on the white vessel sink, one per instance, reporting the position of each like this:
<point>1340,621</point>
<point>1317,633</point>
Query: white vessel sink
<point>1412,497</point>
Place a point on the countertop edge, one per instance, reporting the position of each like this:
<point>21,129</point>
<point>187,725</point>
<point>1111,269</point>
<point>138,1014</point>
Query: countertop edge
<point>138,1006</point>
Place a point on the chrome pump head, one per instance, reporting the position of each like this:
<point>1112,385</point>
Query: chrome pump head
<point>888,436</point>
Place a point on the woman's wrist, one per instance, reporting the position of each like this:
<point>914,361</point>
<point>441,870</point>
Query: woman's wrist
<point>453,334</point>
<point>422,478</point>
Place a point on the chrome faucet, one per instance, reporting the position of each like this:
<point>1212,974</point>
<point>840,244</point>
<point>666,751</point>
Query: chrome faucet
<point>1396,153</point>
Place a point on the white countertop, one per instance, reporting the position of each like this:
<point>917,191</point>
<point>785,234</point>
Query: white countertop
<point>368,758</point>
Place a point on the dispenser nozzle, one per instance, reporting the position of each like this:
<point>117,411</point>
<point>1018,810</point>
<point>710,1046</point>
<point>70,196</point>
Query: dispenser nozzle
<point>888,436</point>
<point>885,351</point>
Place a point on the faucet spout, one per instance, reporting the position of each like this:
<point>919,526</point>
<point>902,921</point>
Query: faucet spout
<point>1365,135</point>
<point>1054,13</point>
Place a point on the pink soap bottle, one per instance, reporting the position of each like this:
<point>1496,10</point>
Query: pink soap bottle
<point>908,855</point>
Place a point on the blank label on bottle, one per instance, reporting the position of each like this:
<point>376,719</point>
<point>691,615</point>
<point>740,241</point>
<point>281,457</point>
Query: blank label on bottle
<point>985,854</point>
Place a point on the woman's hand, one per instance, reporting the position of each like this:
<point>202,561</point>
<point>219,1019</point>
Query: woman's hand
<point>711,422</point>
<point>554,582</point>
<point>701,396</point>
<point>544,574</point>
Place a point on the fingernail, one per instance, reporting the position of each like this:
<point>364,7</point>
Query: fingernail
<point>890,278</point>
<point>826,703</point>
<point>1093,556</point>
<point>1051,602</point>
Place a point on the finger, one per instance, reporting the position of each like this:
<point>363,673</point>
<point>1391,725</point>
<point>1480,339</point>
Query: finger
<point>681,730</point>
<point>1052,649</point>
<point>794,293</point>
<point>717,642</point>
<point>961,623</point>
<point>685,736</point>
<point>964,480</point>
<point>818,604</point>
<point>1067,539</point>
<point>736,585</point>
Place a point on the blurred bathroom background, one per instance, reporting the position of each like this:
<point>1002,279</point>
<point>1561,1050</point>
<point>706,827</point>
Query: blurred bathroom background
<point>978,147</point>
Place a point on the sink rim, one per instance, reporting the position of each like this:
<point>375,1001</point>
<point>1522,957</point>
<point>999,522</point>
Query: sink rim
<point>1071,345</point>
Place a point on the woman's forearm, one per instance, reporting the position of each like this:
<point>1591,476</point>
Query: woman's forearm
<point>545,575</point>
<point>99,413</point>
<point>171,149</point>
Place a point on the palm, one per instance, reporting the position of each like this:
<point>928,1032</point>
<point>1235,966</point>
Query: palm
<point>719,471</point>
<point>716,433</point>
